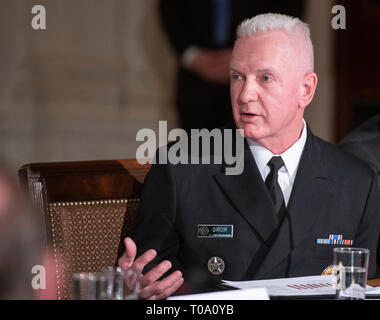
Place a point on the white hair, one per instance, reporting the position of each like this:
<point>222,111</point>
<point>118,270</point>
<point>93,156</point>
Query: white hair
<point>274,21</point>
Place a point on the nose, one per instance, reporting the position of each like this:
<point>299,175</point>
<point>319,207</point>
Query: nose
<point>249,91</point>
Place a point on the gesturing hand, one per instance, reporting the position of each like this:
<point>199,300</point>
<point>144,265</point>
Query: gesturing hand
<point>150,287</point>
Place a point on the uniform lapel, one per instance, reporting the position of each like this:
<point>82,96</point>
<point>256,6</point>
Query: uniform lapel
<point>311,189</point>
<point>250,197</point>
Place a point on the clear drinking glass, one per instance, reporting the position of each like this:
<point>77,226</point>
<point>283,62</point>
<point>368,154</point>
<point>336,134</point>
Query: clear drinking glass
<point>110,284</point>
<point>350,272</point>
<point>115,283</point>
<point>84,286</point>
<point>132,279</point>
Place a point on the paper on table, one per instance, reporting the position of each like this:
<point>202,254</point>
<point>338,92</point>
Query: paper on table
<point>299,286</point>
<point>246,294</point>
<point>372,290</point>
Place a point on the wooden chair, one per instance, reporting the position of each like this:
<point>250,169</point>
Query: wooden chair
<point>87,208</point>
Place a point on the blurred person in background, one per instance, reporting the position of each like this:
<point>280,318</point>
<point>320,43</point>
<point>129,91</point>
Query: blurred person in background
<point>202,32</point>
<point>22,247</point>
<point>364,143</point>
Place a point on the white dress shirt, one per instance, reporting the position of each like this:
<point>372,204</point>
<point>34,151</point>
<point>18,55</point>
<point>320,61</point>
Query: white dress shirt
<point>291,158</point>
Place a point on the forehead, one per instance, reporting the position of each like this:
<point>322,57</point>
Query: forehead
<point>273,49</point>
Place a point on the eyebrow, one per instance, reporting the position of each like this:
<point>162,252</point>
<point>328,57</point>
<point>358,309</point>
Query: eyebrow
<point>264,70</point>
<point>234,70</point>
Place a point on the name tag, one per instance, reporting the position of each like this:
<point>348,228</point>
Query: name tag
<point>215,231</point>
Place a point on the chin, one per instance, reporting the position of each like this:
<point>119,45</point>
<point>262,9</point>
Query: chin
<point>251,131</point>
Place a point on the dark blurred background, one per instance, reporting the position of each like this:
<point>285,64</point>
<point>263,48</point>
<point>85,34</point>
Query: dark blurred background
<point>103,69</point>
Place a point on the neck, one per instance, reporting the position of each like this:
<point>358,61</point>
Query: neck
<point>279,144</point>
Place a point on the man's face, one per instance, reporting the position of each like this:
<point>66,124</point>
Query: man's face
<point>266,88</point>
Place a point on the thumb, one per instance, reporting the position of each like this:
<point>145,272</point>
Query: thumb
<point>129,255</point>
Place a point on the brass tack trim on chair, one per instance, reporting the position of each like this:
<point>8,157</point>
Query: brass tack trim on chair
<point>96,202</point>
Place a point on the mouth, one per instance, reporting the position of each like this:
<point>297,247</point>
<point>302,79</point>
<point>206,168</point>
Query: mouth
<point>248,115</point>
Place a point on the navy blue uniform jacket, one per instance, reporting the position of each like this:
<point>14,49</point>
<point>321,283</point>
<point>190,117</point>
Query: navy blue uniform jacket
<point>333,194</point>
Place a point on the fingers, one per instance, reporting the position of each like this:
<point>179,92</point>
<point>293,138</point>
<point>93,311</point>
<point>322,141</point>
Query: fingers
<point>129,255</point>
<point>128,258</point>
<point>156,273</point>
<point>144,259</point>
<point>163,288</point>
<point>169,291</point>
<point>151,288</point>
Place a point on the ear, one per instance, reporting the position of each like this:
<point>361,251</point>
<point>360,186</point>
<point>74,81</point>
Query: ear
<point>308,87</point>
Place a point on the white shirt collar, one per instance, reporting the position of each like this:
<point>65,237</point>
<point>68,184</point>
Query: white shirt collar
<point>291,156</point>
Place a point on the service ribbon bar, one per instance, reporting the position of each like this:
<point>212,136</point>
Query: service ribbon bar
<point>335,239</point>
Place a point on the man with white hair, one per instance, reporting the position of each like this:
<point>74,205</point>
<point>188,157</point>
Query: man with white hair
<point>297,197</point>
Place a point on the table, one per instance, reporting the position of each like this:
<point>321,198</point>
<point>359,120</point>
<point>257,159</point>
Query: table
<point>374,282</point>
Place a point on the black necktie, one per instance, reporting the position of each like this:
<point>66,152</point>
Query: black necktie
<point>273,187</point>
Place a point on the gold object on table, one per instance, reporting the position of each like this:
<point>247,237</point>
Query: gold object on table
<point>329,270</point>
